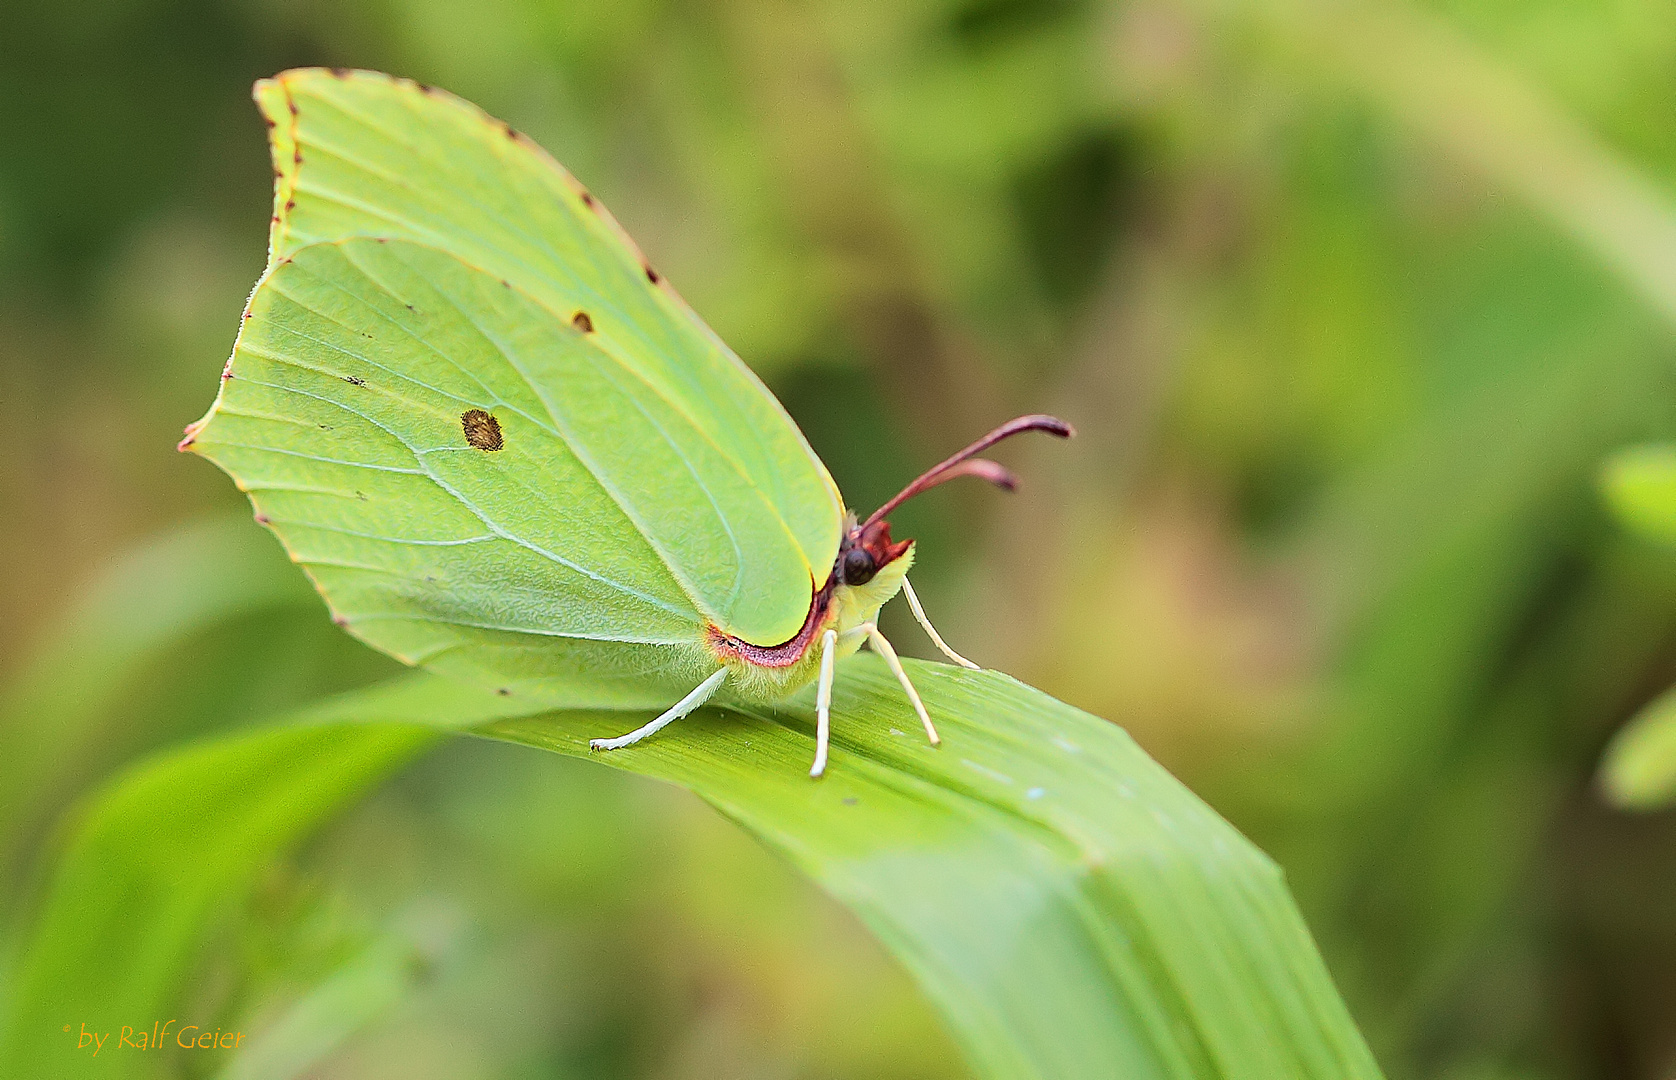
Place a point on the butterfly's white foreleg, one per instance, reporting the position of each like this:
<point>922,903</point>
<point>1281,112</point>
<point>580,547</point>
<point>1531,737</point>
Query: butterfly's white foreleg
<point>883,648</point>
<point>823,702</point>
<point>699,696</point>
<point>936,638</point>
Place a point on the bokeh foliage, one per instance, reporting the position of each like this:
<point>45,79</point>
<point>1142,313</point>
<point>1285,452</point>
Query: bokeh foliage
<point>1349,302</point>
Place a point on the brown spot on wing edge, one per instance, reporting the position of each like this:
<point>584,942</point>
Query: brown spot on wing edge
<point>482,430</point>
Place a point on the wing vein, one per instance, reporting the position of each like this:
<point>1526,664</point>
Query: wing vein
<point>469,504</point>
<point>532,631</point>
<point>623,503</point>
<point>318,457</point>
<point>597,300</point>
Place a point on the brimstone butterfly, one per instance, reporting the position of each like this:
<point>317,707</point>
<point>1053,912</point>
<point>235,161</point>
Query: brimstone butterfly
<point>505,449</point>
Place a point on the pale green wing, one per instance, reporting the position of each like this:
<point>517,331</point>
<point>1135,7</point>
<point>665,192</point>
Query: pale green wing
<point>341,413</point>
<point>363,154</point>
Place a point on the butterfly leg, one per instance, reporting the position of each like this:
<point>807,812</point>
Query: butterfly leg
<point>936,638</point>
<point>699,696</point>
<point>823,702</point>
<point>884,649</point>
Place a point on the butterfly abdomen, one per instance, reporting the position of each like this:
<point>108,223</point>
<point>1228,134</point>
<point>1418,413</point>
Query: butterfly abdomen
<point>768,673</point>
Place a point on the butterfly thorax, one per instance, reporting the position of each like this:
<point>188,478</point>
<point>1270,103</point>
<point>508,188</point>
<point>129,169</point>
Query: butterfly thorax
<point>768,674</point>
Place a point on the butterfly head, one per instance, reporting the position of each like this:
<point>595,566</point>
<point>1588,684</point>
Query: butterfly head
<point>864,550</point>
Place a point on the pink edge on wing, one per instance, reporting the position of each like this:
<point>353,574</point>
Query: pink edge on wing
<point>727,647</point>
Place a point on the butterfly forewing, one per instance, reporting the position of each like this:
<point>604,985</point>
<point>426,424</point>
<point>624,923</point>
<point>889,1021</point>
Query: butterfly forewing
<point>362,154</point>
<point>501,446</point>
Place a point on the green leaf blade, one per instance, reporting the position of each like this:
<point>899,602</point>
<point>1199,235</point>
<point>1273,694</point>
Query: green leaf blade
<point>154,595</point>
<point>1071,909</point>
<point>1638,771</point>
<point>1640,487</point>
<point>155,859</point>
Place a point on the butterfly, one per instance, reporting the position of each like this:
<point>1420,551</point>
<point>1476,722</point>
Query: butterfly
<point>505,449</point>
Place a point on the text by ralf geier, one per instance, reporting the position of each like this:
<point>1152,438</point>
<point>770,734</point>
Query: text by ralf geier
<point>161,1032</point>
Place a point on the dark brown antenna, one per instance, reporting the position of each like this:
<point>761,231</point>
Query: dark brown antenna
<point>966,463</point>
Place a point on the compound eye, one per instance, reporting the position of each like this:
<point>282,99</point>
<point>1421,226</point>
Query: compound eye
<point>857,567</point>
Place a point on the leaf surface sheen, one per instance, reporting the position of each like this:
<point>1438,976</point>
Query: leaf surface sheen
<point>1071,908</point>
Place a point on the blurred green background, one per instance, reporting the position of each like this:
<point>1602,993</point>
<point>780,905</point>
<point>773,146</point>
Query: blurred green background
<point>1348,300</point>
